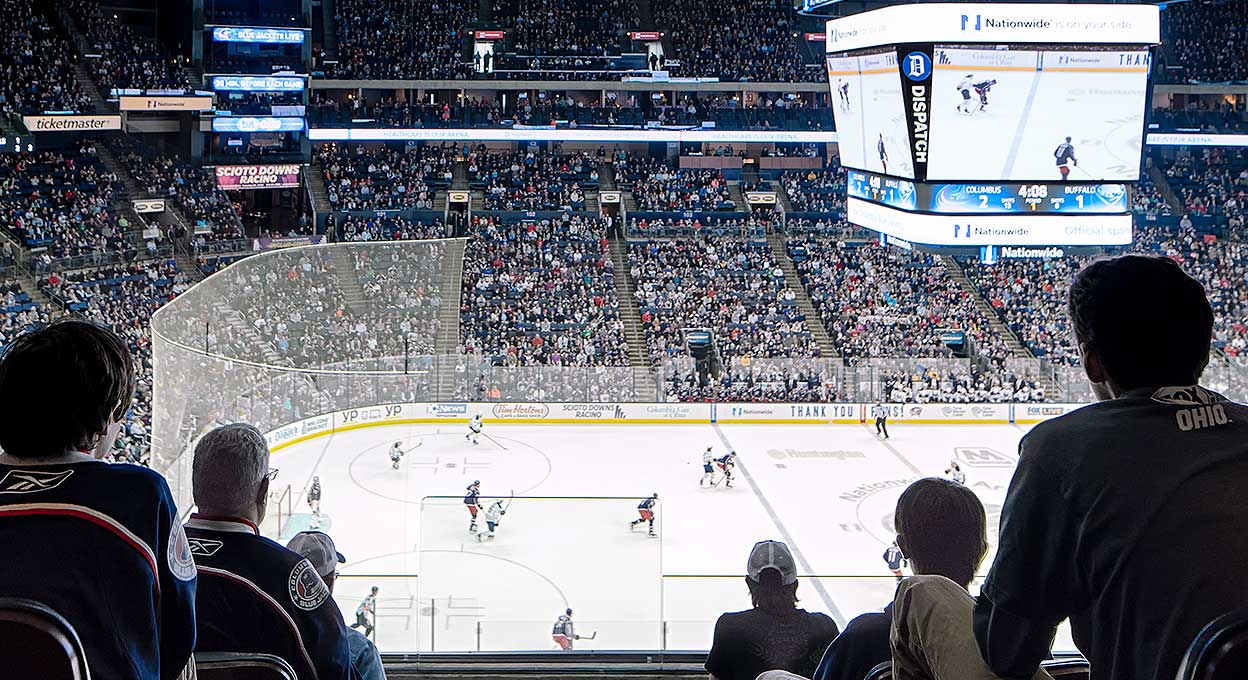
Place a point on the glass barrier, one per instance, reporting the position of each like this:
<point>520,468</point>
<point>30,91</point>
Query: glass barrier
<point>400,619</point>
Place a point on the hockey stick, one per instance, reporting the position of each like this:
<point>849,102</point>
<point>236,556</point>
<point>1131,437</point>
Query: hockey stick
<point>510,498</point>
<point>591,636</point>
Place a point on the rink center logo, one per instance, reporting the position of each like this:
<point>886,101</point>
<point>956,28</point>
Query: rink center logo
<point>513,410</point>
<point>983,457</point>
<point>306,588</point>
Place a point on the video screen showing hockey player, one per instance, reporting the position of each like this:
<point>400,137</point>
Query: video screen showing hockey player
<point>869,111</point>
<point>1001,114</point>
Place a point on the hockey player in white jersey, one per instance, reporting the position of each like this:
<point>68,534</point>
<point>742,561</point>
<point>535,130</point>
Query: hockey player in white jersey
<point>955,473</point>
<point>708,468</point>
<point>396,454</point>
<point>966,86</point>
<point>474,428</point>
<point>493,515</point>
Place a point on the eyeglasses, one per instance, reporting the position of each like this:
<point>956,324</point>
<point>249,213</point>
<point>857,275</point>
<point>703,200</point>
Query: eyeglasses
<point>271,474</point>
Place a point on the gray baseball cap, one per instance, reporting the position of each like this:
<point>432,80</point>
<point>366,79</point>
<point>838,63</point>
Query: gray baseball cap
<point>772,555</point>
<point>319,549</point>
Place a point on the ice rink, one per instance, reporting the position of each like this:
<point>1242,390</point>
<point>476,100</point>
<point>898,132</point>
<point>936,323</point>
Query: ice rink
<point>827,490</point>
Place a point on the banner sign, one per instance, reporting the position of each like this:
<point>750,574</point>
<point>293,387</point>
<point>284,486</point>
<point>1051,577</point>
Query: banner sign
<point>285,242</point>
<point>149,205</point>
<point>816,37</point>
<point>71,123</point>
<point>258,83</point>
<point>760,197</point>
<point>457,197</point>
<point>786,413</point>
<point>234,177</point>
<point>646,36</point>
<point>490,35</point>
<point>254,124</point>
<point>292,36</point>
<point>166,103</point>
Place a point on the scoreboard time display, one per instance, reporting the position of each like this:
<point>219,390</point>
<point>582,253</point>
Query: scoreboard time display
<point>17,143</point>
<point>985,198</point>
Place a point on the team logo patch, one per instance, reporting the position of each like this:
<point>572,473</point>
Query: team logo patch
<point>307,590</point>
<point>1187,396</point>
<point>181,564</point>
<point>203,547</point>
<point>32,481</point>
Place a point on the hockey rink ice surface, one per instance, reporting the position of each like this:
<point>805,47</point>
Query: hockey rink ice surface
<point>828,490</point>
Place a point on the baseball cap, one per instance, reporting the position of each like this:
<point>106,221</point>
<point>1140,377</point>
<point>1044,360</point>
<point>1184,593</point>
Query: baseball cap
<point>772,555</point>
<point>319,549</point>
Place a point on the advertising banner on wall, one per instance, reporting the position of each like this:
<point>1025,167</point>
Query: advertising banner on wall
<point>166,103</point>
<point>786,413</point>
<point>277,176</point>
<point>71,123</point>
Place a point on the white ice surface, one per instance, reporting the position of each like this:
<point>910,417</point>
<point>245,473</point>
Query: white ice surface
<point>565,541</point>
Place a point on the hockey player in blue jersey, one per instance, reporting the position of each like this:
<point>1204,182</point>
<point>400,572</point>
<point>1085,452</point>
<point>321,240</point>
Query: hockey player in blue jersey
<point>473,500</point>
<point>982,89</point>
<point>255,596</point>
<point>100,544</point>
<point>726,463</point>
<point>646,510</point>
<point>1064,154</point>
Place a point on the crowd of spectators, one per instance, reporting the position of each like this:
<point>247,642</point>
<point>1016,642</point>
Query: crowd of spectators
<point>816,191</point>
<point>36,64</point>
<point>18,313</point>
<point>533,179</point>
<point>1220,118</point>
<point>793,381</point>
<point>127,60</point>
<point>541,293</point>
<point>546,27</point>
<point>387,228</point>
<point>749,40</point>
<point>1209,40</point>
<point>62,202</point>
<point>1212,183</point>
<point>733,286</point>
<point>934,385</point>
<point>886,302</point>
<point>754,226</point>
<point>385,177</point>
<point>192,188</point>
<point>123,298</point>
<point>380,39</point>
<point>679,190</point>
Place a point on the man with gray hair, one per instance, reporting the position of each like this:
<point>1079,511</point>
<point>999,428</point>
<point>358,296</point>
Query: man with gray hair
<point>254,595</point>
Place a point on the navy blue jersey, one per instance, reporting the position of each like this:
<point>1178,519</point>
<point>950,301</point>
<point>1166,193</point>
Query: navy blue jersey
<point>256,596</point>
<point>471,498</point>
<point>647,504</point>
<point>727,460</point>
<point>102,545</point>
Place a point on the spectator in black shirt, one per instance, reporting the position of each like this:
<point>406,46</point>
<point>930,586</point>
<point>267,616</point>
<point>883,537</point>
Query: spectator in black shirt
<point>1126,516</point>
<point>943,530</point>
<point>775,634</point>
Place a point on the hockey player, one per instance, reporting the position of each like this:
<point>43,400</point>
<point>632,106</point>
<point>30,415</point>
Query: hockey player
<point>881,420</point>
<point>472,500</point>
<point>982,89</point>
<point>493,515</point>
<point>314,502</point>
<point>646,510</point>
<point>564,632</point>
<point>955,473</point>
<point>1065,156</point>
<point>842,89</point>
<point>367,609</point>
<point>474,428</point>
<point>726,462</point>
<point>708,470</point>
<point>965,86</point>
<point>883,153</point>
<point>894,558</point>
<point>396,454</point>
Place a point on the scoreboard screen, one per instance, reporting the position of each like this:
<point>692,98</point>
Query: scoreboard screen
<point>989,198</point>
<point>17,143</point>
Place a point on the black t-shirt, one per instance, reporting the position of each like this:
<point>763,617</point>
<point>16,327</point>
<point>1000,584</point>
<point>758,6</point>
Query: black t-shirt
<point>1128,517</point>
<point>750,642</point>
<point>863,645</point>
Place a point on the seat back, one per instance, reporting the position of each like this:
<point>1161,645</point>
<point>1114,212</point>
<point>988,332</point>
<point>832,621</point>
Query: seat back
<point>239,666</point>
<point>881,671</point>
<point>1220,650</point>
<point>1068,669</point>
<point>39,643</point>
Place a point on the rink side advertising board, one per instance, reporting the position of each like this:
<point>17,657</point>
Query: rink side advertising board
<point>277,176</point>
<point>616,413</point>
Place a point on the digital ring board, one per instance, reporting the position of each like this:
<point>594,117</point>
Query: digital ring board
<point>989,198</point>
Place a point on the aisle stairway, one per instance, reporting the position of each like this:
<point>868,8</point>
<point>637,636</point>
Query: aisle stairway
<point>316,185</point>
<point>446,343</point>
<point>352,292</point>
<point>130,190</point>
<point>794,280</point>
<point>630,315</point>
<point>1016,346</point>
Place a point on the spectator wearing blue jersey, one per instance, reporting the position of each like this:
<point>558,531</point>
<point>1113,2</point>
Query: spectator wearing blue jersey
<point>99,543</point>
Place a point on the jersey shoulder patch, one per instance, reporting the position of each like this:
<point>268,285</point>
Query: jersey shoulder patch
<point>33,481</point>
<point>307,589</point>
<point>181,563</point>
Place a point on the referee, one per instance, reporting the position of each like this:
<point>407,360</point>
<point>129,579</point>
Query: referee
<point>881,420</point>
